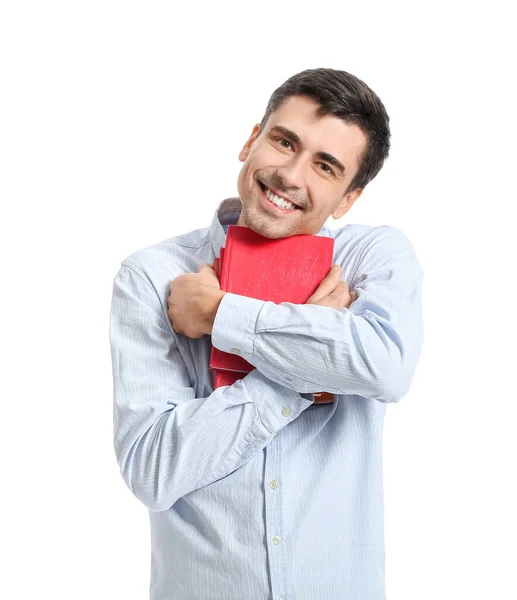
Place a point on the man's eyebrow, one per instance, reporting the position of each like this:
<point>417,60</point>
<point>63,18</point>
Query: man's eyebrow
<point>293,137</point>
<point>290,135</point>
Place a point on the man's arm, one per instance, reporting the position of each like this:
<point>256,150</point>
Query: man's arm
<point>370,349</point>
<point>168,442</point>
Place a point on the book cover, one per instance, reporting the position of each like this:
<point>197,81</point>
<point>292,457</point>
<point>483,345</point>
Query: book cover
<point>284,270</point>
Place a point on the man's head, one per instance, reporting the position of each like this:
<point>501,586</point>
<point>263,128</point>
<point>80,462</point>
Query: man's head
<point>324,136</point>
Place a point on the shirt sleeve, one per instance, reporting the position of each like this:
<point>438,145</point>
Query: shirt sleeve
<point>371,349</point>
<point>168,442</point>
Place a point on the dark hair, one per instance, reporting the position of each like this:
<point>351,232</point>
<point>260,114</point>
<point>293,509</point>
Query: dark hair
<point>344,96</point>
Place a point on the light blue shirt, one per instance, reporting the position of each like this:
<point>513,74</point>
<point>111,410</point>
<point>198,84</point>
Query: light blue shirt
<point>254,492</point>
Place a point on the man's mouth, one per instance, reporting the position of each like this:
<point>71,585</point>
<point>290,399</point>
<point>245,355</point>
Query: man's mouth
<point>278,200</point>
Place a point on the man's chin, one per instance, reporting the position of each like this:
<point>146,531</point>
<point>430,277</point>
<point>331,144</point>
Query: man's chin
<point>261,224</point>
<point>268,231</point>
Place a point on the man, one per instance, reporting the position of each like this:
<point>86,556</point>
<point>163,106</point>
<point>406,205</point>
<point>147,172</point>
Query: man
<point>254,491</point>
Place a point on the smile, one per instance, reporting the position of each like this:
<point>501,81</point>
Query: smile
<point>277,200</point>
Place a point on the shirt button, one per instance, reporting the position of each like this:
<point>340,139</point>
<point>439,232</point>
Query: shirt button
<point>277,539</point>
<point>283,598</point>
<point>286,411</point>
<point>236,350</point>
<point>273,484</point>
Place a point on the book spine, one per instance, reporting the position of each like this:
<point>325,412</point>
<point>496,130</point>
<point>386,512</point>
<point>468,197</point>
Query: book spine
<point>323,397</point>
<point>224,268</point>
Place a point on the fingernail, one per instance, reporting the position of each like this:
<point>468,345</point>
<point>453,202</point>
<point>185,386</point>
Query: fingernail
<point>335,268</point>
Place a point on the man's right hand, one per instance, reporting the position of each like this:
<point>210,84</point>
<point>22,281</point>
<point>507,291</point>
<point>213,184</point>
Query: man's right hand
<point>333,292</point>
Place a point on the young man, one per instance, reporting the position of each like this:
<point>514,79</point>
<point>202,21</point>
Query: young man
<point>254,491</point>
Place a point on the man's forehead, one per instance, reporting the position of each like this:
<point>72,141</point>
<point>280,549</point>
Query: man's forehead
<point>300,113</point>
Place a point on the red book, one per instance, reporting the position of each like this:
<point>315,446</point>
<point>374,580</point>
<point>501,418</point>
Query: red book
<point>284,270</point>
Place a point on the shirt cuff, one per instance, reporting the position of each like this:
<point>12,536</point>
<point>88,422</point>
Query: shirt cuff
<point>235,323</point>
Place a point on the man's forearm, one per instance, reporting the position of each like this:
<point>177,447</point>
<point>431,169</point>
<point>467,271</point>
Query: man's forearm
<point>370,349</point>
<point>168,441</point>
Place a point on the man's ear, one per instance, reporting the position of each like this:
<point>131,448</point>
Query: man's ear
<point>347,203</point>
<point>243,154</point>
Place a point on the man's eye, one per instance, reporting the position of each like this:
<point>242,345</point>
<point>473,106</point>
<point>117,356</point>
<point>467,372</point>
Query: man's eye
<point>284,143</point>
<point>326,168</point>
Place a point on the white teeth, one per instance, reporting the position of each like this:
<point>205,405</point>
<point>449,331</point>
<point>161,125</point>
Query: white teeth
<point>279,201</point>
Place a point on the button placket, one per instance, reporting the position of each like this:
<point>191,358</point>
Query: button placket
<point>274,521</point>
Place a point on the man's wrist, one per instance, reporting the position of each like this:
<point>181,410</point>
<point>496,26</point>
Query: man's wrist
<point>214,303</point>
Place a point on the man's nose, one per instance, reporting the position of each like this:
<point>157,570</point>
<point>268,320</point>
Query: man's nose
<point>294,172</point>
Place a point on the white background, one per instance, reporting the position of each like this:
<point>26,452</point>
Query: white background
<point>120,126</point>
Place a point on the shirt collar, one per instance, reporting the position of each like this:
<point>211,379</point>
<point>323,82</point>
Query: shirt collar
<point>228,213</point>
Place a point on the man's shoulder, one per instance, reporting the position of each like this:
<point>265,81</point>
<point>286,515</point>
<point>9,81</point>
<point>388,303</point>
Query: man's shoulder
<point>359,248</point>
<point>171,257</point>
<point>371,236</point>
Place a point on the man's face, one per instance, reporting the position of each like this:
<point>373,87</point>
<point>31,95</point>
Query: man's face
<point>302,158</point>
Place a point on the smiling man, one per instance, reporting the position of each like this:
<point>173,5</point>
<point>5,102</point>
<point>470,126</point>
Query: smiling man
<point>297,168</point>
<point>254,490</point>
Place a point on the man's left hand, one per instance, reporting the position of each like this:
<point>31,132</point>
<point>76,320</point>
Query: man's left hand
<point>193,302</point>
